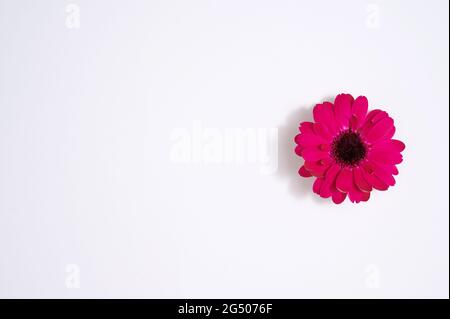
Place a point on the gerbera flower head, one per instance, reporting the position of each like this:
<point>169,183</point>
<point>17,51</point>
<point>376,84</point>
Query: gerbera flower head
<point>348,150</point>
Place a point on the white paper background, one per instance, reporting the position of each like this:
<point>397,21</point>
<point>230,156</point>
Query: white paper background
<point>89,195</point>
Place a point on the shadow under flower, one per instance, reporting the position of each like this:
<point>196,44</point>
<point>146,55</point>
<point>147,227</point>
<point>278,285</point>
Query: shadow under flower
<point>289,162</point>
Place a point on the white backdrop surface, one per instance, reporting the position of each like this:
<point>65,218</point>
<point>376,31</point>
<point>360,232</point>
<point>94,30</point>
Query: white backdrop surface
<point>94,204</point>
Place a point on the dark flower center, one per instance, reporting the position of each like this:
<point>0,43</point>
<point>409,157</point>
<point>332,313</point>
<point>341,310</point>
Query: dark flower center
<point>348,149</point>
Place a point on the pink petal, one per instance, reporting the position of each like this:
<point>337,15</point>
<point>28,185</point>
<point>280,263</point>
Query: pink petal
<point>371,115</point>
<point>326,161</point>
<point>368,121</point>
<point>323,131</point>
<point>306,128</point>
<point>390,133</point>
<point>306,140</point>
<point>365,196</point>
<point>391,169</point>
<point>323,113</point>
<point>379,116</point>
<point>317,185</point>
<point>359,111</point>
<point>298,150</point>
<point>338,197</point>
<point>344,180</point>
<point>343,109</point>
<point>374,181</point>
<point>332,126</point>
<point>394,170</point>
<point>328,184</point>
<point>399,145</point>
<point>325,147</point>
<point>379,130</point>
<point>383,175</point>
<point>385,156</point>
<point>316,168</point>
<point>304,172</point>
<point>374,118</point>
<point>355,195</point>
<point>313,154</point>
<point>389,145</point>
<point>360,182</point>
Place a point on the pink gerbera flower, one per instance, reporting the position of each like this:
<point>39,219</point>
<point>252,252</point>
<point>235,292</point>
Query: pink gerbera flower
<point>349,151</point>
